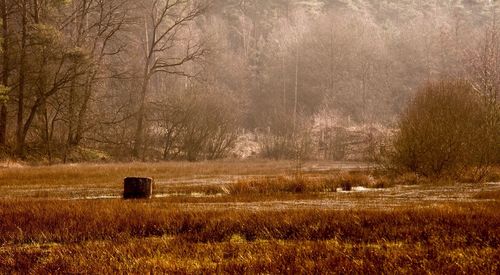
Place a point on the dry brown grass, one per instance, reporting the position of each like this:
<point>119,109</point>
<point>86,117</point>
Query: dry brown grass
<point>110,174</point>
<point>307,183</point>
<point>282,184</point>
<point>178,178</point>
<point>167,255</point>
<point>120,237</point>
<point>488,195</point>
<point>186,234</point>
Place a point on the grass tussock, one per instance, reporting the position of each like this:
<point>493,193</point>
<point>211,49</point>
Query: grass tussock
<point>407,179</point>
<point>304,184</point>
<point>476,175</point>
<point>281,184</point>
<point>122,237</point>
<point>389,180</point>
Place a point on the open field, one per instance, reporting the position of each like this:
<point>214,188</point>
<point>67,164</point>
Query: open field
<point>243,217</point>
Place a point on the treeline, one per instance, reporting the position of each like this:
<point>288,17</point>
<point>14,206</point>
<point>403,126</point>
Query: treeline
<point>185,79</point>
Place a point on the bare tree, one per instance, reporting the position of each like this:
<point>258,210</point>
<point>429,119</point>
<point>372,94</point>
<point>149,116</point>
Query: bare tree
<point>484,73</point>
<point>484,64</point>
<point>192,125</point>
<point>96,24</point>
<point>6,69</point>
<point>168,45</point>
<point>53,64</point>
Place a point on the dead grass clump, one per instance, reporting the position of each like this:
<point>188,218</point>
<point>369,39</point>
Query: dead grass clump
<point>330,184</point>
<point>493,176</point>
<point>303,184</point>
<point>270,185</point>
<point>406,179</point>
<point>382,182</point>
<point>209,189</point>
<point>390,180</point>
<point>75,222</point>
<point>475,175</point>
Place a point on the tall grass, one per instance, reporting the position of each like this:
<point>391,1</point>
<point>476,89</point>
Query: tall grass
<point>121,237</point>
<point>46,221</point>
<point>49,235</point>
<point>306,184</point>
<point>281,184</point>
<point>109,174</point>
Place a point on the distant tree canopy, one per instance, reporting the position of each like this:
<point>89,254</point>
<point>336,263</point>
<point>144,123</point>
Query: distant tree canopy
<point>98,74</point>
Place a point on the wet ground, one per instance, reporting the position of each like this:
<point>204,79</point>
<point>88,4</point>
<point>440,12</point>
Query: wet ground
<point>363,198</point>
<point>357,198</point>
<point>164,186</point>
<point>209,191</point>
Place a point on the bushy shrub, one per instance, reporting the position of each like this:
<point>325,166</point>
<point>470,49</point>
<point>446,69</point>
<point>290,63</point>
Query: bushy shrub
<point>444,130</point>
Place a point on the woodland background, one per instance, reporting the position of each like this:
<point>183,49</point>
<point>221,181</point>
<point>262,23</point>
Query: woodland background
<point>191,80</point>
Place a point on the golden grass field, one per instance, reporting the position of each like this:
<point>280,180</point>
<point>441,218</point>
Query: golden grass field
<point>244,217</point>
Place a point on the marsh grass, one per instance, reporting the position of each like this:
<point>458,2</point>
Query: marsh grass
<point>68,221</point>
<point>190,234</point>
<point>281,184</point>
<point>488,195</point>
<point>308,183</point>
<point>120,236</point>
<point>176,178</point>
<point>112,174</point>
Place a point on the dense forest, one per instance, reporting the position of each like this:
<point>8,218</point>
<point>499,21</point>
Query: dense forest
<point>184,79</point>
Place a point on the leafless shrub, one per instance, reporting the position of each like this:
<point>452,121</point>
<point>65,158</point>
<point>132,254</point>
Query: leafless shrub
<point>195,127</point>
<point>283,140</point>
<point>443,132</point>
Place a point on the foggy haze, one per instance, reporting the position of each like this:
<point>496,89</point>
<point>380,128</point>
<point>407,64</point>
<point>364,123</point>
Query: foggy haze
<point>196,80</point>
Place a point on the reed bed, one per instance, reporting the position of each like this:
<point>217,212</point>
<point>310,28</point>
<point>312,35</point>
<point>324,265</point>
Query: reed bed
<point>120,236</point>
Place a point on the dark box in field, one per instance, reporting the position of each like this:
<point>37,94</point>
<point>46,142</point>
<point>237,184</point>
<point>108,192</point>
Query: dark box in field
<point>137,188</point>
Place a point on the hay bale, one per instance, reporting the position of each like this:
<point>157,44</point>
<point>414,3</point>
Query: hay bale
<point>137,188</point>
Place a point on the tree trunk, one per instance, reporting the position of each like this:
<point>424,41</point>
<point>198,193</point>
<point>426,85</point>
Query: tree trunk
<point>46,132</point>
<point>283,68</point>
<point>82,114</point>
<point>75,117</point>
<point>139,132</point>
<point>20,136</point>
<point>3,124</point>
<point>71,114</point>
<point>6,71</point>
<point>296,87</point>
